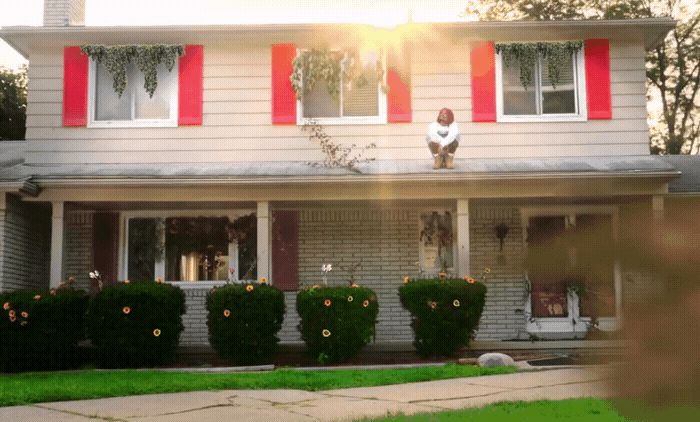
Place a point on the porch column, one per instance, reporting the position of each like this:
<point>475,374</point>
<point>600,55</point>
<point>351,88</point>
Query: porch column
<point>657,208</point>
<point>462,237</point>
<point>56,274</point>
<point>263,215</point>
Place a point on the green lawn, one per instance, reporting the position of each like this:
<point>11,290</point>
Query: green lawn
<point>579,410</point>
<point>18,389</point>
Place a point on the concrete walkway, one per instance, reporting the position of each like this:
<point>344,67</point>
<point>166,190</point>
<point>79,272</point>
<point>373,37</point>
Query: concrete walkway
<point>331,405</point>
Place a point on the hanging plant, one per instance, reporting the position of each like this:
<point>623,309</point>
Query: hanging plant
<point>116,58</point>
<point>313,65</point>
<point>525,55</point>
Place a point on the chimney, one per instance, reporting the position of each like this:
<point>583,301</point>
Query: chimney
<point>64,12</point>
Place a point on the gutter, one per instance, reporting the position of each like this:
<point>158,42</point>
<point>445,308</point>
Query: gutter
<point>319,180</point>
<point>23,187</point>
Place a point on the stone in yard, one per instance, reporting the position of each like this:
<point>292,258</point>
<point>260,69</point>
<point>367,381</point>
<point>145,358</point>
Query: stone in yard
<point>492,360</point>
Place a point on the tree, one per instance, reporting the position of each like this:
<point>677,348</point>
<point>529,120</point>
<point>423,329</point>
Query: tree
<point>13,103</point>
<point>673,68</point>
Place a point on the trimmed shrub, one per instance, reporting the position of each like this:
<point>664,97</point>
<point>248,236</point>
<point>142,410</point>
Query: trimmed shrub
<point>136,324</point>
<point>444,313</point>
<point>40,330</point>
<point>336,322</point>
<point>244,320</point>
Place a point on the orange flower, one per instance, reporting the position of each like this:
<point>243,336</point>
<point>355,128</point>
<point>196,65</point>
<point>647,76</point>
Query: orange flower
<point>470,280</point>
<point>6,306</point>
<point>13,318</point>
<point>127,281</point>
<point>249,288</point>
<point>326,333</point>
<point>405,280</point>
<point>156,333</point>
<point>442,275</point>
<point>327,302</point>
<point>354,285</point>
<point>365,303</point>
<point>52,292</point>
<point>433,305</point>
<point>11,313</point>
<point>71,280</point>
<point>315,286</point>
<point>227,313</point>
<point>350,299</point>
<point>61,285</point>
<point>126,310</point>
<point>456,303</point>
<point>159,280</point>
<point>37,297</point>
<point>263,280</point>
<point>25,314</point>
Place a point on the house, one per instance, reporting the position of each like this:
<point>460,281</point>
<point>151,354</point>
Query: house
<point>209,179</point>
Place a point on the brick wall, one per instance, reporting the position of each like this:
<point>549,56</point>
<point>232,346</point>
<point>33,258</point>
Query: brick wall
<point>25,232</point>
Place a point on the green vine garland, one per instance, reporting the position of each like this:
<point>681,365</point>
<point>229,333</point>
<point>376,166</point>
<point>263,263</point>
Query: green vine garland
<point>116,58</point>
<point>526,54</point>
<point>313,65</point>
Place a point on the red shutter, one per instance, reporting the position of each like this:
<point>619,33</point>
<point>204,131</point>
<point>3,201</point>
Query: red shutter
<point>284,99</point>
<point>597,55</point>
<point>483,67</point>
<point>285,250</point>
<point>105,245</point>
<point>75,87</point>
<point>190,75</point>
<point>398,79</point>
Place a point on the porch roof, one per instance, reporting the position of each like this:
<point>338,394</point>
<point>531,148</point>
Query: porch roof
<point>689,166</point>
<point>13,171</point>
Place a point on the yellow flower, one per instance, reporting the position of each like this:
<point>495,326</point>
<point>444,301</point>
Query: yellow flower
<point>71,280</point>
<point>159,280</point>
<point>24,314</point>
<point>52,292</point>
<point>127,281</point>
<point>365,303</point>
<point>126,310</point>
<point>227,313</point>
<point>350,299</point>
<point>405,280</point>
<point>433,305</point>
<point>156,333</point>
<point>11,313</point>
<point>249,288</point>
<point>487,270</point>
<point>456,303</point>
<point>263,280</point>
<point>326,333</point>
<point>6,306</point>
<point>327,302</point>
<point>442,275</point>
<point>23,323</point>
<point>354,285</point>
<point>315,286</point>
<point>37,297</point>
<point>61,285</point>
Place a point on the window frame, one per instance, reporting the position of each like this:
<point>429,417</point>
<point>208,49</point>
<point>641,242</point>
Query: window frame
<point>159,270</point>
<point>171,121</point>
<point>379,119</point>
<point>421,243</point>
<point>579,93</point>
<point>574,324</point>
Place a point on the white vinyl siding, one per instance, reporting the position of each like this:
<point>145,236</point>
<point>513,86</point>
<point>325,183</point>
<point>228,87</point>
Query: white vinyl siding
<point>237,124</point>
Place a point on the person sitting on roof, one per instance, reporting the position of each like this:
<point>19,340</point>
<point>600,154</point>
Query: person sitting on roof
<point>443,139</point>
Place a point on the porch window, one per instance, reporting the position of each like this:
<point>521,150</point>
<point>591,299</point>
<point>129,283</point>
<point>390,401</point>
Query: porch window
<point>437,247</point>
<point>134,107</point>
<point>187,248</point>
<point>571,266</point>
<point>360,97</point>
<point>541,100</point>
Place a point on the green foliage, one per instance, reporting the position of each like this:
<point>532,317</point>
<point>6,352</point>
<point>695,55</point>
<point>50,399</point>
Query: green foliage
<point>40,330</point>
<point>13,103</point>
<point>310,66</point>
<point>444,313</point>
<point>336,322</point>
<point>136,324</point>
<point>116,58</point>
<point>243,322</point>
<point>525,55</point>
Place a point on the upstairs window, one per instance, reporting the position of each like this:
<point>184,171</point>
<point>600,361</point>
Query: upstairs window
<point>135,107</point>
<point>542,99</point>
<point>360,95</point>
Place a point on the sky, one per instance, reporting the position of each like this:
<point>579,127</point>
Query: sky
<point>173,12</point>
